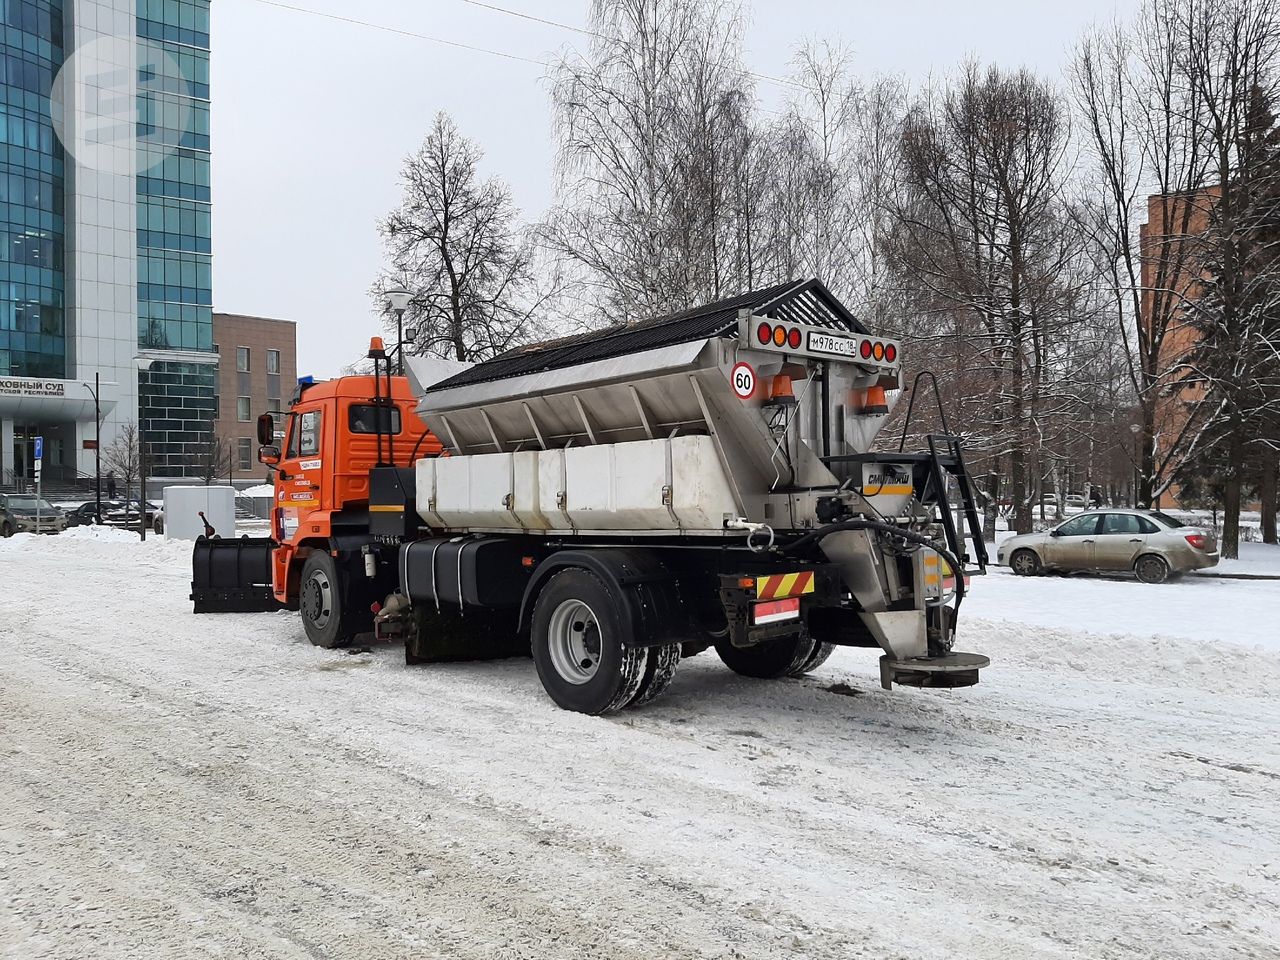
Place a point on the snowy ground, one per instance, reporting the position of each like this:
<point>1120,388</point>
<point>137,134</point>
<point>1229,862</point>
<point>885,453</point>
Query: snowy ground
<point>180,786</point>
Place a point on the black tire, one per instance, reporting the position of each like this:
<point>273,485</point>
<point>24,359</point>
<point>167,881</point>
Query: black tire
<point>781,657</point>
<point>821,651</point>
<point>1025,563</point>
<point>659,671</point>
<point>579,646</point>
<point>6,529</point>
<point>323,601</point>
<point>1152,569</point>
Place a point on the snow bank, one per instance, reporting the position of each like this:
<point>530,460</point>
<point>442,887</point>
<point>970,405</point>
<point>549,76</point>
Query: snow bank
<point>102,533</point>
<point>261,490</point>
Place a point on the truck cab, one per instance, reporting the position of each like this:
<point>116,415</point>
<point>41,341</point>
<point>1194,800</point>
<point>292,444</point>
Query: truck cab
<point>335,433</point>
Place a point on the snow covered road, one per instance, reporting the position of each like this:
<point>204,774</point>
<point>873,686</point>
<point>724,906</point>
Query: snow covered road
<point>178,786</point>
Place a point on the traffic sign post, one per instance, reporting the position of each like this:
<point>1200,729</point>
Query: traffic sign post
<point>39,459</point>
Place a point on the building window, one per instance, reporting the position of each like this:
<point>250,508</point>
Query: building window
<point>243,414</point>
<point>244,453</point>
<point>242,359</point>
<point>273,361</point>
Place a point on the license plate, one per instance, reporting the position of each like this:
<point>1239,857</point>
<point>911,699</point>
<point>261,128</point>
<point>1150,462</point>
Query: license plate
<point>775,611</point>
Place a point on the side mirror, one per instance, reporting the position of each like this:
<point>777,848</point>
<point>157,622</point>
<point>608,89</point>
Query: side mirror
<point>1055,533</point>
<point>266,431</point>
<point>269,455</point>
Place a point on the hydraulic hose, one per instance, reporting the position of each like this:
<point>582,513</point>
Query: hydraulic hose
<point>814,536</point>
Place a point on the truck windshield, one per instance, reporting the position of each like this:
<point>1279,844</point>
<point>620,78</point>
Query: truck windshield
<point>367,418</point>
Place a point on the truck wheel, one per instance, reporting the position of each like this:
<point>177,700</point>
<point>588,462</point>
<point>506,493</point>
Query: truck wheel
<point>659,671</point>
<point>1025,563</point>
<point>579,646</point>
<point>323,605</point>
<point>781,657</point>
<point>1152,569</point>
<point>821,651</point>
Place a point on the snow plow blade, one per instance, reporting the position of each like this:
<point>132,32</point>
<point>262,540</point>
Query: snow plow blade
<point>232,576</point>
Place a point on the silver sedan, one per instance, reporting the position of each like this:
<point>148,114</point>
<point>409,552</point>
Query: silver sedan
<point>1149,543</point>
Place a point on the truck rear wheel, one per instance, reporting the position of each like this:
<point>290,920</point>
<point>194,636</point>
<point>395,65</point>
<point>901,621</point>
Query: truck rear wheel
<point>579,646</point>
<point>821,651</point>
<point>659,671</point>
<point>781,657</point>
<point>323,602</point>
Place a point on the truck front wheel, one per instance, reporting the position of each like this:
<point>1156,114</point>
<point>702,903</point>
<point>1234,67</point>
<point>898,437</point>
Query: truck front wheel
<point>579,646</point>
<point>323,602</point>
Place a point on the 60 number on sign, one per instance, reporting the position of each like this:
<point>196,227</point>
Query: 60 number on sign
<point>743,379</point>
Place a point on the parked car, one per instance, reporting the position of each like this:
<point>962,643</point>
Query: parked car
<point>125,513</point>
<point>27,513</point>
<point>8,526</point>
<point>1076,501</point>
<point>1149,543</point>
<point>157,521</point>
<point>86,513</point>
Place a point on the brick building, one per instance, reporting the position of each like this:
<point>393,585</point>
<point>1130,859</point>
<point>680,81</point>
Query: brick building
<point>257,371</point>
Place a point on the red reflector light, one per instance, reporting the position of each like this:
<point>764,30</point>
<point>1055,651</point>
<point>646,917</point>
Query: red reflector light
<point>793,339</point>
<point>779,336</point>
<point>890,352</point>
<point>764,333</point>
<point>1197,540</point>
<point>866,350</point>
<point>775,611</point>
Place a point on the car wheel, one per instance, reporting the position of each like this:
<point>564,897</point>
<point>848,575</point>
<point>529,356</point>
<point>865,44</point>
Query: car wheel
<point>6,529</point>
<point>1025,563</point>
<point>1152,569</point>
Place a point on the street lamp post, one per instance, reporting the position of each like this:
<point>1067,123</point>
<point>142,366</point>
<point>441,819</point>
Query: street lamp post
<point>97,446</point>
<point>1137,459</point>
<point>144,364</point>
<point>398,298</point>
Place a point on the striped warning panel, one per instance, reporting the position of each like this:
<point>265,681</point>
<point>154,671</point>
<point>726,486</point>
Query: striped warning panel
<point>784,585</point>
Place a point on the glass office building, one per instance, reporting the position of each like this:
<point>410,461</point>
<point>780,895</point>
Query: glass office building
<point>105,258</point>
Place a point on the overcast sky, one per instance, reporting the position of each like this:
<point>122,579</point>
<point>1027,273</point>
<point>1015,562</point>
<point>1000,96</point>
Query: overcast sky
<point>313,117</point>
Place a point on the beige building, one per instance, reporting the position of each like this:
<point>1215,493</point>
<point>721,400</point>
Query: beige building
<point>257,371</point>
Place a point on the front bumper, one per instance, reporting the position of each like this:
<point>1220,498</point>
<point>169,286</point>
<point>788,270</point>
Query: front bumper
<point>28,525</point>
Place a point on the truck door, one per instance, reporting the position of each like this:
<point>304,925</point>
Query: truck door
<point>299,496</point>
<point>1119,541</point>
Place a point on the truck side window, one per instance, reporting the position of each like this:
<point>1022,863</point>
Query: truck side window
<point>292,449</point>
<point>309,433</point>
<point>365,418</point>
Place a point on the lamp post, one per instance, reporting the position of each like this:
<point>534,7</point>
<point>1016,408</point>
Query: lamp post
<point>97,446</point>
<point>398,299</point>
<point>144,364</point>
<point>1137,458</point>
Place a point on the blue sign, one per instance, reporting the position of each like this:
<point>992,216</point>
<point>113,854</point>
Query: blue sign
<point>39,448</point>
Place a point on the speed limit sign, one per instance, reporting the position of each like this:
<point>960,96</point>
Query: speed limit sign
<point>744,380</point>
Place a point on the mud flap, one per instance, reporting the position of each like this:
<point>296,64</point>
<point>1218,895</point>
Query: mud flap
<point>232,576</point>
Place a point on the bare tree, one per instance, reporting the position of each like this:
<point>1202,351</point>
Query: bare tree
<point>1232,53</point>
<point>212,458</point>
<point>123,457</point>
<point>1140,123</point>
<point>454,243</point>
<point>983,238</point>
